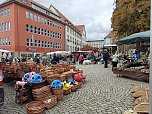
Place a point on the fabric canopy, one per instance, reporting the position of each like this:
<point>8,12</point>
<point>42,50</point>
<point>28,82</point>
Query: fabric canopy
<point>134,38</point>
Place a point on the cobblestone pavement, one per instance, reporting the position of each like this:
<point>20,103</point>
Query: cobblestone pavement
<point>103,93</point>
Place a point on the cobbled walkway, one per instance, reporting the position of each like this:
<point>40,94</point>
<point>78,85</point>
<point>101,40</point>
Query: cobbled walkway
<point>103,93</point>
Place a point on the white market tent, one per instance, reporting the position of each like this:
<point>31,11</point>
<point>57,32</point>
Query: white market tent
<point>5,51</point>
<point>59,52</point>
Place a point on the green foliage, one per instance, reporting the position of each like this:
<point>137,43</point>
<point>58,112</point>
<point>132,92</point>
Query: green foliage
<point>130,16</point>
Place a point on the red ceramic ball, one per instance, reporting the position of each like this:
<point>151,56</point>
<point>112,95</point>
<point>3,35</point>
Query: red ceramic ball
<point>78,77</point>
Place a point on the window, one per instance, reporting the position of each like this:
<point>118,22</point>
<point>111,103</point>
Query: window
<point>60,36</point>
<point>5,27</point>
<point>48,33</point>
<point>45,43</point>
<point>68,29</point>
<point>51,44</point>
<point>42,43</point>
<point>53,34</point>
<point>31,16</point>
<point>8,11</point>
<point>42,31</point>
<point>36,43</point>
<point>45,21</point>
<point>5,12</point>
<point>31,27</point>
<point>45,32</point>
<point>42,20</point>
<point>28,42</point>
<point>56,34</point>
<point>48,44</point>
<point>31,42</point>
<point>48,22</point>
<point>2,12</point>
<point>35,30</point>
<point>39,19</point>
<point>56,45</point>
<point>0,27</point>
<point>9,26</point>
<point>39,43</point>
<point>35,17</point>
<point>27,14</point>
<point>39,30</point>
<point>27,28</point>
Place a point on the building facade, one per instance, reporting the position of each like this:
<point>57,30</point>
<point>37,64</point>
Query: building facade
<point>75,35</point>
<point>27,27</point>
<point>108,39</point>
<point>96,43</point>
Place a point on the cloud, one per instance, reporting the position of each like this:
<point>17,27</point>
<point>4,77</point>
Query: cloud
<point>94,14</point>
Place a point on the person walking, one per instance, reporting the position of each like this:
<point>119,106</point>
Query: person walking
<point>105,58</point>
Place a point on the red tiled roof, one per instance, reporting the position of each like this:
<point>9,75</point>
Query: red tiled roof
<point>110,35</point>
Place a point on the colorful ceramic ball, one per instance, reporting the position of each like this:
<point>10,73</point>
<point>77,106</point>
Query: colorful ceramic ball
<point>78,77</point>
<point>36,78</point>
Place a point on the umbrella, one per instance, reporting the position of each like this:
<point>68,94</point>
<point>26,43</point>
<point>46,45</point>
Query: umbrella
<point>134,38</point>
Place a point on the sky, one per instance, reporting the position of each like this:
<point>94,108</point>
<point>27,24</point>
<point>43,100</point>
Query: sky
<point>94,14</point>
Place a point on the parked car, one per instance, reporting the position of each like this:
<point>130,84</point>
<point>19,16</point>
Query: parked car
<point>1,86</point>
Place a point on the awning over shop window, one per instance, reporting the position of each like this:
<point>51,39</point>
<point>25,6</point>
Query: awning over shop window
<point>134,38</point>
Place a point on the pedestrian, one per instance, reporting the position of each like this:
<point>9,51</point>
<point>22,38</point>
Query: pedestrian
<point>115,59</point>
<point>80,59</point>
<point>105,58</point>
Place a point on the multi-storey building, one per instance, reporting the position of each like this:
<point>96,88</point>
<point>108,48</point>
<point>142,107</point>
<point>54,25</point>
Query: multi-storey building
<point>81,28</point>
<point>96,43</point>
<point>75,36</point>
<point>27,27</point>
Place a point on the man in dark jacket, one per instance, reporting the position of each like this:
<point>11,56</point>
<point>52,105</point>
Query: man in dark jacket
<point>105,58</point>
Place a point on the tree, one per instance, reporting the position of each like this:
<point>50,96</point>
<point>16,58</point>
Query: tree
<point>130,16</point>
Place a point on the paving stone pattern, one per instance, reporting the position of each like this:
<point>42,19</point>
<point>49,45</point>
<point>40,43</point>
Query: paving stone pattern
<point>103,93</point>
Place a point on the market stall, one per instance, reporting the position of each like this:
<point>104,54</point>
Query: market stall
<point>48,86</point>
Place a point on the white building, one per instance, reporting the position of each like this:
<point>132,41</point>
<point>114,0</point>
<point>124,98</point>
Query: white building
<point>75,36</point>
<point>96,43</point>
